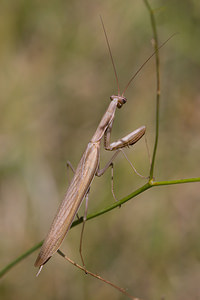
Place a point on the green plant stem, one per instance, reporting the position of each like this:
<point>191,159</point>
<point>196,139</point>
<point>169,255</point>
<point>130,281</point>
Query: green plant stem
<point>155,35</point>
<point>19,258</point>
<point>172,182</point>
<point>143,188</point>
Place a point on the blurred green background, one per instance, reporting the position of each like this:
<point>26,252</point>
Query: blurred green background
<point>55,81</point>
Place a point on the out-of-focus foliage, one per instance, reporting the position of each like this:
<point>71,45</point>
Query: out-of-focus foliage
<point>55,82</point>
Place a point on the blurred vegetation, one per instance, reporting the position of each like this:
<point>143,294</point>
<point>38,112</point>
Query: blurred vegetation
<point>55,82</point>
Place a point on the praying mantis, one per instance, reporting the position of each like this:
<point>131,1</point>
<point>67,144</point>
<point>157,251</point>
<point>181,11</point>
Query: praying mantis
<point>87,169</point>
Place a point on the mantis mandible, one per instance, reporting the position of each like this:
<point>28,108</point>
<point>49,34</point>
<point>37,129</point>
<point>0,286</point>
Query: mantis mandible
<point>87,169</point>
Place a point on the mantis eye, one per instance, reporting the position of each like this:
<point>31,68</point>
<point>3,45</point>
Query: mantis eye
<point>121,101</point>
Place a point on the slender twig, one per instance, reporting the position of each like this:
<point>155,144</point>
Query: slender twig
<point>155,35</point>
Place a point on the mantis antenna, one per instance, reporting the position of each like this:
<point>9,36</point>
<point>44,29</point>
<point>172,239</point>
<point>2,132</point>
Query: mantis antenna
<point>140,68</point>
<point>109,49</point>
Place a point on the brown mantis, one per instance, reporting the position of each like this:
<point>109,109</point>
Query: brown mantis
<point>87,168</point>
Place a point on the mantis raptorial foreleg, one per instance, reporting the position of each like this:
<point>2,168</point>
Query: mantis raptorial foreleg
<point>128,140</point>
<point>117,146</point>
